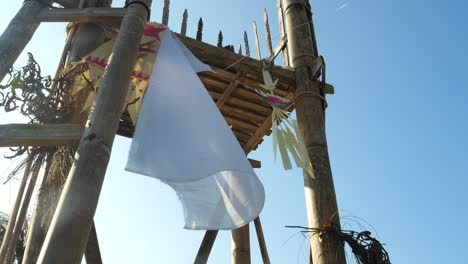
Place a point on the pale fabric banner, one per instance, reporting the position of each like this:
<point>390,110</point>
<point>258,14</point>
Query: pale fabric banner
<point>182,139</point>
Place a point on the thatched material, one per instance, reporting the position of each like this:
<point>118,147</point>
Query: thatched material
<point>366,249</point>
<point>19,250</point>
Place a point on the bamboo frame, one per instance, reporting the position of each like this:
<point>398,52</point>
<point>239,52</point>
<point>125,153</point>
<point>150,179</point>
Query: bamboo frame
<point>81,192</point>
<point>249,117</point>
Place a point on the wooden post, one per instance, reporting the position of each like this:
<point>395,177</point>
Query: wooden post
<point>246,43</point>
<point>183,27</point>
<point>267,33</point>
<point>14,214</point>
<point>72,222</point>
<point>87,37</point>
<point>18,33</point>
<point>220,39</point>
<point>165,16</point>
<point>257,43</point>
<point>241,245</point>
<point>200,30</point>
<point>322,209</point>
<point>279,5</point>
<point>261,240</point>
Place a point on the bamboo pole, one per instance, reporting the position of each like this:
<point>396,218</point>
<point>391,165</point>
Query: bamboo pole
<point>220,39</point>
<point>261,240</point>
<point>246,43</point>
<point>18,33</point>
<point>14,213</point>
<point>35,222</point>
<point>205,247</point>
<point>183,27</point>
<point>267,33</point>
<point>279,6</point>
<point>24,208</point>
<point>241,245</point>
<point>165,16</point>
<point>200,30</point>
<point>322,208</point>
<point>70,227</point>
<point>257,42</point>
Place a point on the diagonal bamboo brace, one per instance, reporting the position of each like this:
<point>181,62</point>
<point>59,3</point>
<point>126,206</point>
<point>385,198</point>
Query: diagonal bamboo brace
<point>18,33</point>
<point>72,222</point>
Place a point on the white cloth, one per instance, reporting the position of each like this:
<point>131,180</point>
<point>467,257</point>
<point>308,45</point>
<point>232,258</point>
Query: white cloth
<point>182,139</point>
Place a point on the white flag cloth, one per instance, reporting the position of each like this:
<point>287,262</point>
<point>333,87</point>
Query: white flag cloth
<point>182,139</point>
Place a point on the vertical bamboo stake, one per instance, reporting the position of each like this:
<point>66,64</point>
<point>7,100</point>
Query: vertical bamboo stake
<point>261,241</point>
<point>239,50</point>
<point>322,208</point>
<point>267,32</point>
<point>257,43</point>
<point>14,212</point>
<point>183,27</point>
<point>200,30</point>
<point>24,209</point>
<point>220,39</point>
<point>18,33</point>
<point>279,5</point>
<point>165,16</point>
<point>70,227</point>
<point>241,245</point>
<point>246,43</point>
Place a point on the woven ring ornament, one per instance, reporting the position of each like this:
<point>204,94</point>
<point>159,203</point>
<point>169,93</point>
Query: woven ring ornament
<point>301,95</point>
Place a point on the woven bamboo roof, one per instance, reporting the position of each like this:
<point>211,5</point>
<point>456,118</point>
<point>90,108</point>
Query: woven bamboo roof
<point>230,85</point>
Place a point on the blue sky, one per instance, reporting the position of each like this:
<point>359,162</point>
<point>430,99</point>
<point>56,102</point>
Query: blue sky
<point>396,131</point>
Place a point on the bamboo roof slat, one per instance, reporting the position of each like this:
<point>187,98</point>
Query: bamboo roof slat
<point>228,91</point>
<point>242,113</point>
<point>236,101</point>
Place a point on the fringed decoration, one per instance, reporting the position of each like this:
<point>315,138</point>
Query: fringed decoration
<point>286,135</point>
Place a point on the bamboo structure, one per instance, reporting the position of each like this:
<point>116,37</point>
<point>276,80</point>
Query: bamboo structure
<point>231,85</point>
